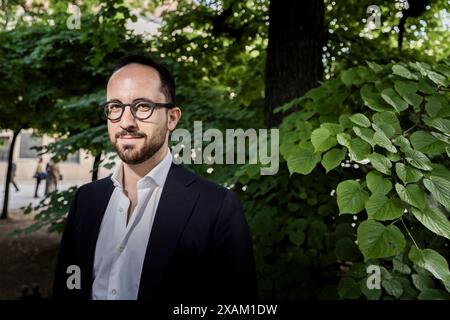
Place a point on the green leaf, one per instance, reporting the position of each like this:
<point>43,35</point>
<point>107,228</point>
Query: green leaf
<point>360,120</point>
<point>322,139</point>
<point>431,261</point>
<point>402,142</point>
<point>334,128</point>
<point>382,140</point>
<point>434,220</point>
<point>433,294</point>
<point>377,184</point>
<point>440,189</point>
<point>350,77</point>
<point>350,197</point>
<point>302,161</point>
<point>426,143</point>
<point>403,72</point>
<point>348,288</point>
<point>393,287</point>
<point>392,98</point>
<point>418,159</point>
<point>371,294</point>
<point>333,158</point>
<point>378,241</point>
<point>400,266</point>
<point>381,163</point>
<point>359,150</point>
<point>380,207</point>
<point>388,122</point>
<point>426,87</point>
<point>407,90</point>
<point>442,125</point>
<point>412,195</point>
<point>407,174</point>
<point>343,139</point>
<point>422,282</point>
<point>365,134</point>
<point>372,98</point>
<point>437,78</point>
<point>374,66</point>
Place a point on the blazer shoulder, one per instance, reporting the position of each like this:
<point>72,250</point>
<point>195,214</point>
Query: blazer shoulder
<point>97,186</point>
<point>205,186</point>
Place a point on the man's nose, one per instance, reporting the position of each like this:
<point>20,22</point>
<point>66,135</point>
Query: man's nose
<point>127,119</point>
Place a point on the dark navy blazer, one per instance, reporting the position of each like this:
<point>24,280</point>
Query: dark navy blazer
<point>199,249</point>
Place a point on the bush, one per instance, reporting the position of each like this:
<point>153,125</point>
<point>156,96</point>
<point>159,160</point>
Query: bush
<point>366,182</point>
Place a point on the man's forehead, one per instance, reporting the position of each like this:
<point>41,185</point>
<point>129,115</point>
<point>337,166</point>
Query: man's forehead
<point>137,72</point>
<point>134,81</point>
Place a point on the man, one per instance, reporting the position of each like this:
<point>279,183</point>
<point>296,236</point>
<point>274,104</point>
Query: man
<point>153,230</point>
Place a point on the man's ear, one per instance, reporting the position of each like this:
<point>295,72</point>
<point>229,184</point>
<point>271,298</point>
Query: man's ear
<point>173,116</point>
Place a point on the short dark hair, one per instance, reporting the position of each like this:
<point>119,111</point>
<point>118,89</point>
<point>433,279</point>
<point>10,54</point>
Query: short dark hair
<point>167,81</point>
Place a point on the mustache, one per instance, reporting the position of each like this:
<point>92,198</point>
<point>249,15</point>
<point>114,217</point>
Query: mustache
<point>136,134</point>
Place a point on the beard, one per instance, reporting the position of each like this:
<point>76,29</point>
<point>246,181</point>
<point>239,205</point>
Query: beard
<point>132,153</point>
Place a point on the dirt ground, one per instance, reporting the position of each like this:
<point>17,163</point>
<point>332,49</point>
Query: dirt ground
<point>27,260</point>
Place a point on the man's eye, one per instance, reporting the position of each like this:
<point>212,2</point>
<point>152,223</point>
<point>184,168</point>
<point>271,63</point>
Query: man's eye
<point>115,107</point>
<point>142,106</point>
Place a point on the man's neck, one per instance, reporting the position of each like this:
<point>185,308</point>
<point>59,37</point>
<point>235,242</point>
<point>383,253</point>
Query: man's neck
<point>132,173</point>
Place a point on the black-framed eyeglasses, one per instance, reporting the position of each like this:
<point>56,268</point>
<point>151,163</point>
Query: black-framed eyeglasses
<point>141,109</point>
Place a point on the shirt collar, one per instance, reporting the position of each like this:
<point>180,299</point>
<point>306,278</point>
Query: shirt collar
<point>156,176</point>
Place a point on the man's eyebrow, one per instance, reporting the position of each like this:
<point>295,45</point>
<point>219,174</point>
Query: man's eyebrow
<point>140,99</point>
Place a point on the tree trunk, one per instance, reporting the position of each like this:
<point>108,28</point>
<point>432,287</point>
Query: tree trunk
<point>95,166</point>
<point>8,175</point>
<point>294,52</point>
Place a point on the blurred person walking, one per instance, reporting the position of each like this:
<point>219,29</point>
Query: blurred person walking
<point>53,175</point>
<point>39,175</point>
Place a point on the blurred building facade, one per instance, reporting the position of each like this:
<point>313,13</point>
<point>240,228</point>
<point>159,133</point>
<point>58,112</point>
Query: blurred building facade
<point>76,168</point>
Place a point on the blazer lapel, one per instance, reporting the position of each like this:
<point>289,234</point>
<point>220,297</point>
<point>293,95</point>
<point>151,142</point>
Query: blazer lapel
<point>174,209</point>
<point>96,208</point>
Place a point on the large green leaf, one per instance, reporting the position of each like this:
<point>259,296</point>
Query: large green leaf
<point>333,158</point>
<point>418,159</point>
<point>407,174</point>
<point>407,90</point>
<point>360,120</point>
<point>403,72</point>
<point>350,196</point>
<point>359,150</point>
<point>378,241</point>
<point>392,98</point>
<point>322,139</point>
<point>372,98</point>
<point>366,134</point>
<point>302,161</point>
<point>382,140</point>
<point>426,143</point>
<point>434,220</point>
<point>411,194</point>
<point>442,125</point>
<point>433,262</point>
<point>440,189</point>
<point>377,184</point>
<point>382,208</point>
<point>381,163</point>
<point>388,122</point>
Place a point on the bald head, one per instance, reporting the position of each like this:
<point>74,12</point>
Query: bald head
<point>134,81</point>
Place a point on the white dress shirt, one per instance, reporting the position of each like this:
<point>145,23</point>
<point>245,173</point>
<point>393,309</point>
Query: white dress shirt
<point>121,247</point>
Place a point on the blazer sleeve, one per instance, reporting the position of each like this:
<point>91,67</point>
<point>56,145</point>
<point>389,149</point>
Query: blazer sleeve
<point>233,252</point>
<point>66,256</point>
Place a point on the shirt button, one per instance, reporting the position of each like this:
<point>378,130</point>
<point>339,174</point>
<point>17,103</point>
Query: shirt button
<point>120,210</point>
<point>113,291</point>
<point>121,248</point>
